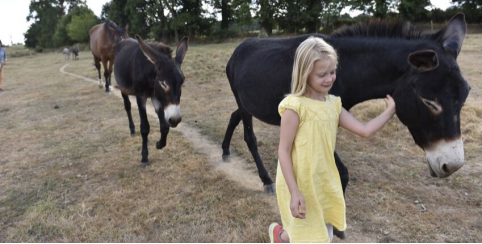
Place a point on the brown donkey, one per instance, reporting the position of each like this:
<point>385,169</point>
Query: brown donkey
<point>103,38</point>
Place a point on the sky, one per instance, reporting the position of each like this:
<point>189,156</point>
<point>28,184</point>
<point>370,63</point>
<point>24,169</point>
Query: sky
<point>13,17</point>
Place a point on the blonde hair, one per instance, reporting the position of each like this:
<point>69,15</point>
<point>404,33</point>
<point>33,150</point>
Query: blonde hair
<point>307,53</point>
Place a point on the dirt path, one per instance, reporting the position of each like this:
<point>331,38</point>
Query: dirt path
<point>234,170</point>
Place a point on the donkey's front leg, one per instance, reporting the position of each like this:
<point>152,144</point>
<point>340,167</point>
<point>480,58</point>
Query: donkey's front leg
<point>162,122</point>
<point>145,128</point>
<point>164,131</point>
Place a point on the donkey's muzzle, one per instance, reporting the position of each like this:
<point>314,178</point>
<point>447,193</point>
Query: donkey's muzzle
<point>172,114</point>
<point>445,157</point>
<point>174,121</point>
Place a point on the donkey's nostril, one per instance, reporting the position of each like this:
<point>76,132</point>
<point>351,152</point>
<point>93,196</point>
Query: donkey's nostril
<point>174,121</point>
<point>445,169</point>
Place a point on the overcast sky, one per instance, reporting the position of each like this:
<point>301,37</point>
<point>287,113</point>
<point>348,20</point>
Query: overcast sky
<point>13,17</point>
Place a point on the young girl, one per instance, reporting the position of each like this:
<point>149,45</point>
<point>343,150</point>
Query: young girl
<point>309,192</point>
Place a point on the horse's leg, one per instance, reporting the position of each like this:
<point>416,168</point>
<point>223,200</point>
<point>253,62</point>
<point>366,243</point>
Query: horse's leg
<point>127,106</point>
<point>106,74</point>
<point>111,65</point>
<point>145,128</point>
<point>343,171</point>
<point>233,123</point>
<point>97,66</point>
<point>250,139</point>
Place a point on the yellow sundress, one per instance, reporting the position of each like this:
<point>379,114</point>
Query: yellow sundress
<point>314,169</point>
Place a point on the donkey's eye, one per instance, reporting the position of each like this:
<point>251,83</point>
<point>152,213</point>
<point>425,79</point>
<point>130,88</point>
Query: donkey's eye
<point>434,106</point>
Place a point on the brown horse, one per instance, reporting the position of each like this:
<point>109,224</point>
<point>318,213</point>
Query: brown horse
<point>103,38</point>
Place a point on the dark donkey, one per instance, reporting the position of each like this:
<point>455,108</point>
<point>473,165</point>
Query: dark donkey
<point>149,70</point>
<point>419,71</point>
<point>103,38</point>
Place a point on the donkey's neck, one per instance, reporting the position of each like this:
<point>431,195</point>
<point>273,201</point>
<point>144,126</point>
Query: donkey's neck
<point>370,68</point>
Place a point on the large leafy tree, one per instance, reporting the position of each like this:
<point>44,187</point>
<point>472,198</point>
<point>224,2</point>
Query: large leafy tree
<point>477,4</point>
<point>115,11</point>
<point>160,23</point>
<point>32,34</point>
<point>308,15</point>
<point>46,14</point>
<point>414,10</point>
<point>232,12</point>
<point>190,14</point>
<point>377,8</point>
<point>62,37</point>
<point>139,22</point>
<point>471,8</point>
<point>226,9</point>
<point>266,11</point>
<point>175,22</point>
<point>79,27</point>
<point>242,13</point>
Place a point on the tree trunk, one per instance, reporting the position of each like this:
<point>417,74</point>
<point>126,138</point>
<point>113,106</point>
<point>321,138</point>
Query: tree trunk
<point>224,15</point>
<point>266,16</point>
<point>174,16</point>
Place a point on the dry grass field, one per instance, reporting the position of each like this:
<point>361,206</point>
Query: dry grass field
<point>70,172</point>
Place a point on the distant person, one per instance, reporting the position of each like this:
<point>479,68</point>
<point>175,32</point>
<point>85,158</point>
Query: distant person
<point>66,53</point>
<point>3,62</point>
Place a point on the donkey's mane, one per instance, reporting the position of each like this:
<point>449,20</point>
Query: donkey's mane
<point>161,47</point>
<point>380,28</point>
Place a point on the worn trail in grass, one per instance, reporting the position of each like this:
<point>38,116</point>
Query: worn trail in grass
<point>69,171</point>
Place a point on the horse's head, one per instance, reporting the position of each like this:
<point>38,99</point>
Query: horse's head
<point>117,33</point>
<point>169,77</point>
<point>431,95</point>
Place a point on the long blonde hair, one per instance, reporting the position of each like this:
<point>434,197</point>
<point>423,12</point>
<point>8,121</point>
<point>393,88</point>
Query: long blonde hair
<point>307,53</point>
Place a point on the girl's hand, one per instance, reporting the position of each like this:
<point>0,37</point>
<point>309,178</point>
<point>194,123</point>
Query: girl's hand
<point>390,103</point>
<point>298,209</point>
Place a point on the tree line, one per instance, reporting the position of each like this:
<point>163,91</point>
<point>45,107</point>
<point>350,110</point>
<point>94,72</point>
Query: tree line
<point>59,23</point>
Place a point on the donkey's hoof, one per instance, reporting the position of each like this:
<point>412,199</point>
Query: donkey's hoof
<point>133,133</point>
<point>226,158</point>
<point>144,164</point>
<point>270,189</point>
<point>107,92</point>
<point>101,86</point>
<point>159,145</point>
<point>339,234</point>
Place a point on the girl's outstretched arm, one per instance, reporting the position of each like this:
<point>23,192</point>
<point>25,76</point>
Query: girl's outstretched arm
<point>351,124</point>
<point>288,128</point>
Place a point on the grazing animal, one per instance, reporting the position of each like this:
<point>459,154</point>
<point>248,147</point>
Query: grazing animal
<point>75,53</point>
<point>66,53</point>
<point>103,38</point>
<point>148,70</point>
<point>419,71</point>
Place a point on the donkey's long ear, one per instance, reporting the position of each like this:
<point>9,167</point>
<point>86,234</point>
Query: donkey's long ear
<point>452,36</point>
<point>425,60</point>
<point>147,50</point>
<point>113,30</point>
<point>181,50</point>
<point>109,27</point>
